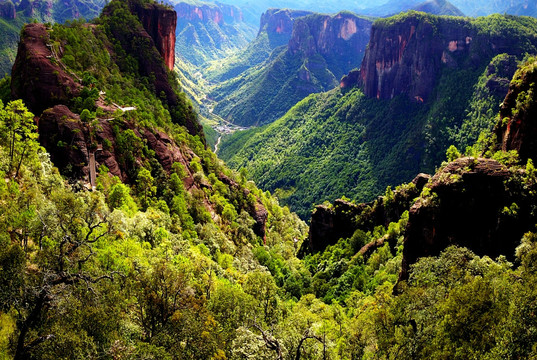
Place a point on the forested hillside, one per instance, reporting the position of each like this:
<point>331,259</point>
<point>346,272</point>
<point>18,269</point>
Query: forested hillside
<point>432,93</point>
<point>14,15</point>
<point>123,236</point>
<point>321,49</point>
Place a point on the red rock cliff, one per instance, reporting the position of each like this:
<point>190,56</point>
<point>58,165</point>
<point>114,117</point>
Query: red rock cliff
<point>406,54</point>
<point>218,13</point>
<point>341,39</point>
<point>37,80</point>
<point>160,24</point>
<point>517,129</point>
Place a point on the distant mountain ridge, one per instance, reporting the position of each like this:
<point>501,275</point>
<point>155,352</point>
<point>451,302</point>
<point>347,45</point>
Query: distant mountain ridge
<point>320,50</point>
<point>13,15</point>
<point>209,31</point>
<point>435,7</point>
<point>423,90</point>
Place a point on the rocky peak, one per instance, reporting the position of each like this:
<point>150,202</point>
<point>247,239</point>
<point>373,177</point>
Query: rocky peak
<point>280,21</point>
<point>407,52</point>
<point>472,202</point>
<point>405,56</point>
<point>160,23</point>
<point>341,39</point>
<point>516,129</point>
<point>40,82</point>
<point>7,10</point>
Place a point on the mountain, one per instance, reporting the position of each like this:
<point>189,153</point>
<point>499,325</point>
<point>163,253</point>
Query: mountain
<point>208,31</point>
<point>255,9</point>
<point>321,49</point>
<point>438,7</point>
<point>137,182</point>
<point>477,203</point>
<point>144,245</point>
<point>513,7</point>
<point>426,82</point>
<point>435,7</point>
<point>275,29</point>
<point>14,15</point>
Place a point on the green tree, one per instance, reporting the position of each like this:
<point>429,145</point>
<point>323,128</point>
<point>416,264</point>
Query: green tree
<point>18,133</point>
<point>145,185</point>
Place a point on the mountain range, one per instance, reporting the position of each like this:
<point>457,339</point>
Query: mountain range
<point>124,236</point>
<point>425,82</point>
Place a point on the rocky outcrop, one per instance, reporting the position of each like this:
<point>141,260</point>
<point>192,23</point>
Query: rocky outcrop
<point>138,43</point>
<point>278,24</point>
<point>340,39</point>
<point>475,203</point>
<point>350,80</point>
<point>65,138</point>
<point>160,24</point>
<point>40,82</point>
<point>7,10</point>
<point>71,143</point>
<point>217,13</point>
<point>329,223</point>
<point>517,129</point>
<point>407,53</point>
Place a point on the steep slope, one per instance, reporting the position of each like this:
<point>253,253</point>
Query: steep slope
<point>435,7</point>
<point>483,204</point>
<point>482,7</point>
<point>145,202</point>
<point>516,129</point>
<point>208,31</point>
<point>14,15</point>
<point>321,49</point>
<point>438,7</point>
<point>426,101</point>
<point>275,29</point>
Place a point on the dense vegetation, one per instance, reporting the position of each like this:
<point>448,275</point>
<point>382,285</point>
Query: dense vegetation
<point>202,40</point>
<point>342,143</point>
<point>264,93</point>
<point>166,265</point>
<point>60,11</point>
<point>117,272</point>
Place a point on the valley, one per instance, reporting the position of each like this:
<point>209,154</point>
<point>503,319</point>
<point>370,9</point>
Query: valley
<point>278,179</point>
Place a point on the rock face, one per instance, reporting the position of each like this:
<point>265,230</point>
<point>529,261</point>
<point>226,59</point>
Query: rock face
<point>70,144</point>
<point>35,78</point>
<point>7,10</point>
<point>160,24</point>
<point>475,203</point>
<point>342,219</point>
<point>219,14</point>
<point>340,39</point>
<point>516,129</point>
<point>407,53</point>
<point>64,136</point>
<point>278,24</point>
<point>138,43</point>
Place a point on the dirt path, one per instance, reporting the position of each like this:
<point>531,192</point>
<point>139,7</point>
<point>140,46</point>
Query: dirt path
<point>217,143</point>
